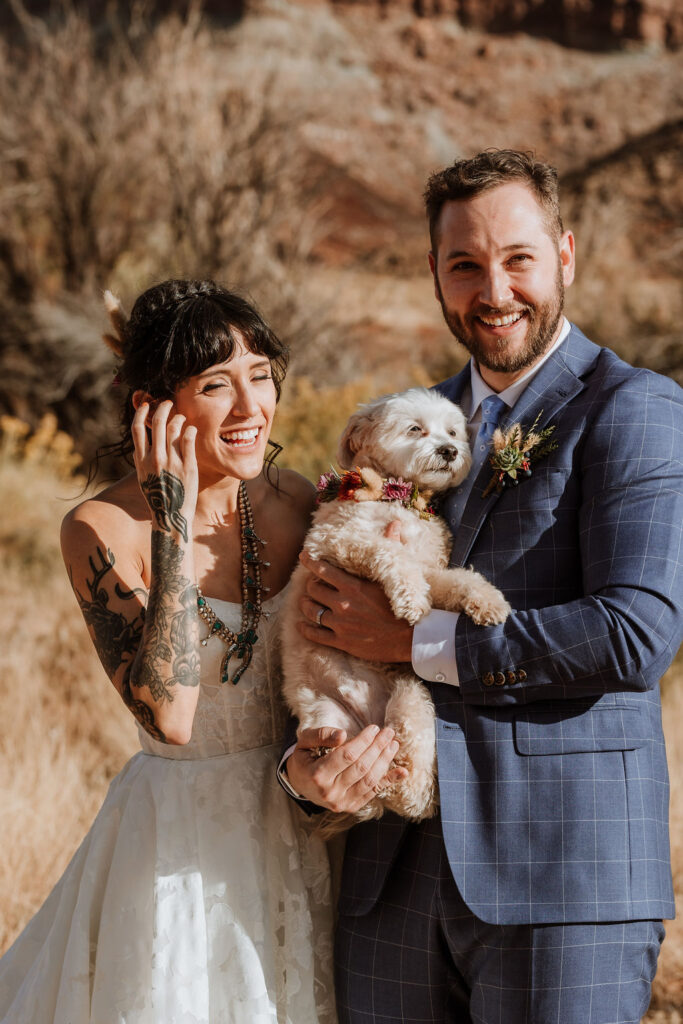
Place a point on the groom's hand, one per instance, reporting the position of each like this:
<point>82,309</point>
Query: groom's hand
<point>347,777</point>
<point>356,618</point>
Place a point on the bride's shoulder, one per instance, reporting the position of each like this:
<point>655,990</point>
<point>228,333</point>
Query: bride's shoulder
<point>116,512</point>
<point>285,507</point>
<point>290,495</point>
<point>295,488</point>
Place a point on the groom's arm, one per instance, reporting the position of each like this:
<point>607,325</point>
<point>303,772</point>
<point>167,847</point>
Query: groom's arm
<point>624,632</point>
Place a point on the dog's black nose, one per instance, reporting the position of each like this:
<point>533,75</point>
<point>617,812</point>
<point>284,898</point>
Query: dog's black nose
<point>447,452</point>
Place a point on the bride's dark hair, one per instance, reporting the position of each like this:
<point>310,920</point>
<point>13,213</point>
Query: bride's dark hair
<point>176,330</point>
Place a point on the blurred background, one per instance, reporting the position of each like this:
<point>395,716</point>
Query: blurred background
<point>282,148</point>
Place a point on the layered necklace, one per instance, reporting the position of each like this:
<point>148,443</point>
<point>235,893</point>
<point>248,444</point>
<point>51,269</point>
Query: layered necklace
<point>240,645</point>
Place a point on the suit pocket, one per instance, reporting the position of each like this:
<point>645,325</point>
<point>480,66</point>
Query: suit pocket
<point>591,731</point>
<point>543,488</point>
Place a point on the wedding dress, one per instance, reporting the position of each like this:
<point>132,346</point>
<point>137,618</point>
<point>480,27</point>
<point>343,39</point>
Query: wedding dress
<point>197,897</point>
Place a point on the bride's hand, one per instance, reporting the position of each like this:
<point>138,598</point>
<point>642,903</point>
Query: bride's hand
<point>166,466</point>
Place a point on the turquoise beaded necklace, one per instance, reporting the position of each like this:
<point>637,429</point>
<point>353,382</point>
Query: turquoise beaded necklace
<point>241,644</point>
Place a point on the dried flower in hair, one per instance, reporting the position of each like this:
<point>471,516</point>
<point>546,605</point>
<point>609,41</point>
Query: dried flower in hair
<point>117,341</point>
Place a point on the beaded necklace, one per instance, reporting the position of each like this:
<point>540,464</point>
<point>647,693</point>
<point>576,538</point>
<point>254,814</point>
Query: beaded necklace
<point>240,644</point>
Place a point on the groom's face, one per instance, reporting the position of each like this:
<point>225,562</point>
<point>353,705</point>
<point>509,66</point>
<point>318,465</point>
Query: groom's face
<point>500,276</point>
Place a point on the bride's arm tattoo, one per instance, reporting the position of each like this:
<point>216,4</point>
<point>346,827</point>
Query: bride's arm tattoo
<point>168,655</point>
<point>169,642</point>
<point>116,637</point>
<point>165,495</point>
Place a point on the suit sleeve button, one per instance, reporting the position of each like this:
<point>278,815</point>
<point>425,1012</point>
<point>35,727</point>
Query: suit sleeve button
<point>439,677</point>
<point>511,677</point>
<point>521,675</point>
<point>499,678</point>
<point>488,679</point>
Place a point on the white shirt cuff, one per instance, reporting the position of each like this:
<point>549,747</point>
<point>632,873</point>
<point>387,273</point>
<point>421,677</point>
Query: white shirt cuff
<point>433,653</point>
<point>282,774</point>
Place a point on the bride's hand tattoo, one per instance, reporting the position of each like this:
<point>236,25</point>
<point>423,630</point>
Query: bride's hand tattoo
<point>165,495</point>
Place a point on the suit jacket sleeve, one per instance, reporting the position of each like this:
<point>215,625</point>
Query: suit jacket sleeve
<point>624,626</point>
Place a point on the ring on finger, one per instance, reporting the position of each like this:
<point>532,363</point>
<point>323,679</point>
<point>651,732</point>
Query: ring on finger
<point>319,616</point>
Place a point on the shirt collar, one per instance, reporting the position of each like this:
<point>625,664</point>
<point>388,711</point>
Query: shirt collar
<point>481,390</point>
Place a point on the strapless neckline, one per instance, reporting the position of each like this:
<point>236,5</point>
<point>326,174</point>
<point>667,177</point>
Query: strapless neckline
<point>238,604</point>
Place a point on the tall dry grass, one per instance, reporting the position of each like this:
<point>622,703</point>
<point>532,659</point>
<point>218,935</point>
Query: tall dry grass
<point>65,731</point>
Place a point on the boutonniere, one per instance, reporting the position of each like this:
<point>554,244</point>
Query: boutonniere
<point>514,451</point>
<point>367,485</point>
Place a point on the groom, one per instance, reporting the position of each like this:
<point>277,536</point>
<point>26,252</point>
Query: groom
<point>537,894</point>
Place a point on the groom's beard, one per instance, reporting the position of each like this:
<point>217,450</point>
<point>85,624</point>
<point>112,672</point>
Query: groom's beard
<point>542,322</point>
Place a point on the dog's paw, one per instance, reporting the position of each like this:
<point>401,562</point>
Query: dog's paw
<point>485,604</point>
<point>411,607</point>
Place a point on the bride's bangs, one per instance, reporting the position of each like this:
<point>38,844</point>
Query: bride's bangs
<point>208,330</point>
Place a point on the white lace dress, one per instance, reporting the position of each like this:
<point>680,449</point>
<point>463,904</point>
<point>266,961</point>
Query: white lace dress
<point>197,897</point>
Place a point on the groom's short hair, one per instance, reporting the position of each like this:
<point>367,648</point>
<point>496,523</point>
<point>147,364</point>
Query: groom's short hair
<point>466,179</point>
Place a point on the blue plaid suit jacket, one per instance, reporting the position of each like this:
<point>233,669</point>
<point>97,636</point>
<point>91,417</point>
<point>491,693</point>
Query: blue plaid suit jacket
<point>552,770</point>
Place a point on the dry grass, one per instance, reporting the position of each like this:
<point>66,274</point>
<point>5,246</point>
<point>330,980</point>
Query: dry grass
<point>66,732</point>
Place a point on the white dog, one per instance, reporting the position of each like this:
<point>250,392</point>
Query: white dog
<point>403,448</point>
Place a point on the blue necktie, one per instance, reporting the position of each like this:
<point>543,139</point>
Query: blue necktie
<point>491,410</point>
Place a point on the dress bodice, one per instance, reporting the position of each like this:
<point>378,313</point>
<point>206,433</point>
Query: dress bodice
<point>232,718</point>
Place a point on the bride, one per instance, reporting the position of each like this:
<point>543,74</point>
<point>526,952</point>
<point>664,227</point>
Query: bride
<point>197,896</point>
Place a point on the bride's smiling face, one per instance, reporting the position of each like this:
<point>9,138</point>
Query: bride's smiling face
<point>232,405</point>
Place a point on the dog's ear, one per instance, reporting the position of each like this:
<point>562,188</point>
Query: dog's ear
<point>355,435</point>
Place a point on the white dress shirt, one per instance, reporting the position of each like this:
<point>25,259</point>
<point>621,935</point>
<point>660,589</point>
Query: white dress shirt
<point>433,653</point>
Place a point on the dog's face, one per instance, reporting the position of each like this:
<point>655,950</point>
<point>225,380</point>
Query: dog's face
<point>416,434</point>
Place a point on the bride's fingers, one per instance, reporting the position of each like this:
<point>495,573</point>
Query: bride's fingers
<point>138,430</point>
<point>187,443</point>
<point>159,424</point>
<point>174,429</point>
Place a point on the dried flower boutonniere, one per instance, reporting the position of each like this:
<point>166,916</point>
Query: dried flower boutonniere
<point>514,450</point>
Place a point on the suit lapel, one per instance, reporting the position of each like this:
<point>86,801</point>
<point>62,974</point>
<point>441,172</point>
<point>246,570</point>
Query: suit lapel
<point>554,385</point>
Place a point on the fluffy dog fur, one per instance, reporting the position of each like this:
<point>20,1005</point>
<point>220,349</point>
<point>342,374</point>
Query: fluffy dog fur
<point>419,436</point>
